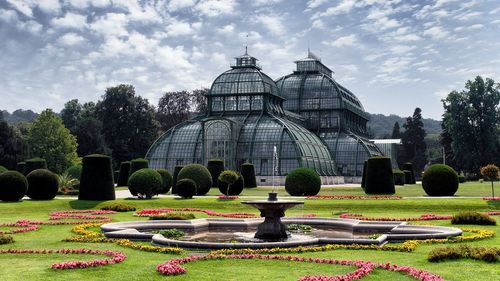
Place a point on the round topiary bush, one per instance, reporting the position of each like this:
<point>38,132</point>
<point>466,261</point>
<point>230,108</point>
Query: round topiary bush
<point>199,174</point>
<point>235,189</point>
<point>97,178</point>
<point>363,177</point>
<point>399,177</point>
<point>136,165</point>
<point>124,173</point>
<point>146,182</point>
<point>13,186</point>
<point>166,179</point>
<point>215,167</point>
<point>75,171</point>
<point>248,174</point>
<point>177,169</point>
<point>440,180</point>
<point>42,184</point>
<point>302,182</point>
<point>34,164</point>
<point>3,169</point>
<point>21,166</point>
<point>379,176</point>
<point>408,166</point>
<point>186,188</point>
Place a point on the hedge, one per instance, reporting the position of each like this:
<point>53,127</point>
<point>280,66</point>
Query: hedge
<point>34,164</point>
<point>248,174</point>
<point>303,182</point>
<point>42,184</point>
<point>363,178</point>
<point>75,171</point>
<point>146,183</point>
<point>215,167</point>
<point>409,167</point>
<point>186,188</point>
<point>97,178</point>
<point>235,189</point>
<point>166,179</point>
<point>199,174</point>
<point>13,186</point>
<point>124,174</point>
<point>136,165</point>
<point>379,176</point>
<point>21,166</point>
<point>177,169</point>
<point>399,177</point>
<point>440,180</point>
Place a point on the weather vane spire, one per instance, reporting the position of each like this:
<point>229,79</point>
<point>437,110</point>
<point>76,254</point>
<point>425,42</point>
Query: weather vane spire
<point>246,44</point>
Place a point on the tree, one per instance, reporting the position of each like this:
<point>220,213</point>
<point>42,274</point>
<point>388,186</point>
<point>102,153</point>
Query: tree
<point>471,119</point>
<point>490,172</point>
<point>173,108</point>
<point>413,140</point>
<point>70,114</point>
<point>199,100</point>
<point>13,148</point>
<point>396,134</point>
<point>128,122</point>
<point>50,140</point>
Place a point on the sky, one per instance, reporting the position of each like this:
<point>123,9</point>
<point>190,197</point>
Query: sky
<point>393,55</point>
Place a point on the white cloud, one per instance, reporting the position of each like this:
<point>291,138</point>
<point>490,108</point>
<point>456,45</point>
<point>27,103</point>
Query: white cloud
<point>319,24</point>
<point>344,41</point>
<point>70,20</point>
<point>175,5</point>
<point>401,49</point>
<point>226,29</point>
<point>313,4</point>
<point>112,24</point>
<point>272,22</point>
<point>8,15</point>
<point>84,4</point>
<point>436,32</point>
<point>70,39</point>
<point>23,6</point>
<point>214,8</point>
<point>180,28</point>
<point>49,6</point>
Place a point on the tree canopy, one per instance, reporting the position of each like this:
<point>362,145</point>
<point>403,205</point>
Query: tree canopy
<point>413,140</point>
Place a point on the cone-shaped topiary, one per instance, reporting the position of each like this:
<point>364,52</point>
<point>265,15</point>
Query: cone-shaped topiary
<point>363,178</point>
<point>440,180</point>
<point>399,177</point>
<point>136,165</point>
<point>166,179</point>
<point>235,189</point>
<point>124,173</point>
<point>408,177</point>
<point>379,176</point>
<point>409,167</point>
<point>75,171</point>
<point>146,182</point>
<point>3,169</point>
<point>248,174</point>
<point>303,182</point>
<point>186,188</point>
<point>97,178</point>
<point>13,186</point>
<point>199,174</point>
<point>42,184</point>
<point>21,166</point>
<point>177,169</point>
<point>215,167</point>
<point>34,164</point>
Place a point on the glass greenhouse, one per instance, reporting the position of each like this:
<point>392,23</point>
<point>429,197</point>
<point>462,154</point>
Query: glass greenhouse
<point>244,122</point>
<point>331,111</point>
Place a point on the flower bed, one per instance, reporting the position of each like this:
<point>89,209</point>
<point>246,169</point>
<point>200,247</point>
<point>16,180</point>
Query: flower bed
<point>115,257</point>
<point>491,198</point>
<point>424,217</point>
<point>354,197</point>
<point>173,266</point>
<point>227,197</point>
<point>150,212</point>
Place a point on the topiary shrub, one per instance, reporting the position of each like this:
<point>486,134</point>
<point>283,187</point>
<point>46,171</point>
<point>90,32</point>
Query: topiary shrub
<point>172,216</point>
<point>409,167</point>
<point>3,169</point>
<point>145,183</point>
<point>124,173</point>
<point>96,182</point>
<point>363,177</point>
<point>172,233</point>
<point>408,176</point>
<point>487,254</point>
<point>440,180</point>
<point>248,174</point>
<point>118,207</point>
<point>379,176</point>
<point>399,177</point>
<point>75,171</point>
<point>473,218</point>
<point>42,184</point>
<point>200,175</point>
<point>13,186</point>
<point>21,166</point>
<point>166,179</point>
<point>235,188</point>
<point>34,164</point>
<point>6,239</point>
<point>302,182</point>
<point>186,188</point>
<point>136,165</point>
<point>215,167</point>
<point>461,178</point>
<point>177,169</point>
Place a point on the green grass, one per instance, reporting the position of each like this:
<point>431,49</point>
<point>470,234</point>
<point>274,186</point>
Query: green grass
<point>141,265</point>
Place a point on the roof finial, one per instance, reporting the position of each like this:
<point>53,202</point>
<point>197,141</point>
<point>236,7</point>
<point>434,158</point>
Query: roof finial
<point>246,45</point>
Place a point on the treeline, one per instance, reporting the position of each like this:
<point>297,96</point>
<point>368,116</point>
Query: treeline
<point>381,125</point>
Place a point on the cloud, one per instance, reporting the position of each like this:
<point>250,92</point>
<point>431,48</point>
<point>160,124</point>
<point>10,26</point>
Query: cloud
<point>401,49</point>
<point>111,24</point>
<point>273,23</point>
<point>226,29</point>
<point>214,8</point>
<point>436,32</point>
<point>313,4</point>
<point>70,20</point>
<point>70,39</point>
<point>175,5</point>
<point>345,41</point>
<point>180,28</point>
<point>84,4</point>
<point>49,6</point>
<point>22,6</point>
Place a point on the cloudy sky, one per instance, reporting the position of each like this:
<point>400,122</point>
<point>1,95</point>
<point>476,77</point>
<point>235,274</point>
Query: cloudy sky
<point>394,55</point>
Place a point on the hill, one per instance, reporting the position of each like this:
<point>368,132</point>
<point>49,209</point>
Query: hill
<point>381,125</point>
<point>18,115</point>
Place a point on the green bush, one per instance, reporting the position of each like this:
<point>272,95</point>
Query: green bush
<point>409,167</point>
<point>363,177</point>
<point>75,171</point>
<point>399,177</point>
<point>3,169</point>
<point>6,239</point>
<point>235,189</point>
<point>186,188</point>
<point>473,218</point>
<point>302,182</point>
<point>461,178</point>
<point>123,174</point>
<point>172,233</point>
<point>34,164</point>
<point>146,183</point>
<point>248,174</point>
<point>215,167</point>
<point>172,216</point>
<point>177,169</point>
<point>440,180</point>
<point>13,186</point>
<point>21,166</point>
<point>379,176</point>
<point>96,182</point>
<point>408,176</point>
<point>166,179</point>
<point>42,184</point>
<point>200,175</point>
<point>118,207</point>
<point>136,165</point>
<point>487,254</point>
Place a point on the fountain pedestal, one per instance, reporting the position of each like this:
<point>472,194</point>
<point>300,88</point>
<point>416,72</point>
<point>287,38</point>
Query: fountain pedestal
<point>272,210</point>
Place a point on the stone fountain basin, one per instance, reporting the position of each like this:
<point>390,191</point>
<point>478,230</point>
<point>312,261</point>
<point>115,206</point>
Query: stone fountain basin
<point>394,232</point>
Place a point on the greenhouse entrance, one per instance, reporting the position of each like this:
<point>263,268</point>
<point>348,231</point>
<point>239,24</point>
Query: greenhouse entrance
<point>220,142</point>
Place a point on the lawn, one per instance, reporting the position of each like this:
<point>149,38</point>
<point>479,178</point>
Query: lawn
<point>141,265</point>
